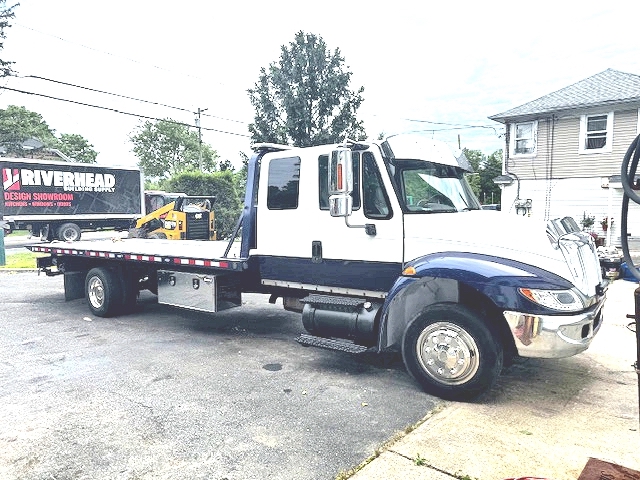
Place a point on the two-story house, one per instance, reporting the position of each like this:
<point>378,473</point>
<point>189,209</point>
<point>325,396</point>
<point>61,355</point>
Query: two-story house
<point>563,152</point>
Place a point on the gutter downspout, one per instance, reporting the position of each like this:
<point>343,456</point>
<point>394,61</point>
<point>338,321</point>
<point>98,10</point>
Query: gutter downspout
<point>507,136</point>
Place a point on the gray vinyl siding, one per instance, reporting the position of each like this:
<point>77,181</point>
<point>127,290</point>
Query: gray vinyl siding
<point>575,197</point>
<point>560,159</point>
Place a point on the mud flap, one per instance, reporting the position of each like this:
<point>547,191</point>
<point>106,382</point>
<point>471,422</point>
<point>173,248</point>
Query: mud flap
<point>74,285</point>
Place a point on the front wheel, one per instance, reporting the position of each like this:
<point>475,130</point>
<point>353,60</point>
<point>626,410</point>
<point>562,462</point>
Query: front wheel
<point>452,352</point>
<point>103,292</point>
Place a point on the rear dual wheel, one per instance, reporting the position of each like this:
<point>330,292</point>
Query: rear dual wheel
<point>109,292</point>
<point>69,232</point>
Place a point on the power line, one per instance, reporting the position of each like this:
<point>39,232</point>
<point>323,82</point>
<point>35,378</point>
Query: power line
<point>120,111</point>
<point>457,126</point>
<point>37,77</point>
<point>450,124</point>
<point>108,53</point>
<point>454,126</point>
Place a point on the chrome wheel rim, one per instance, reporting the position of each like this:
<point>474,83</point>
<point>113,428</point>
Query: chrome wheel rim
<point>448,353</point>
<point>69,235</point>
<point>96,292</point>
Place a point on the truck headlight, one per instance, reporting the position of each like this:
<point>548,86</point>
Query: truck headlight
<point>563,300</point>
<point>169,224</point>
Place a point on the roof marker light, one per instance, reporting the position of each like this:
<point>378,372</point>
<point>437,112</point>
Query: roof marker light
<point>410,271</point>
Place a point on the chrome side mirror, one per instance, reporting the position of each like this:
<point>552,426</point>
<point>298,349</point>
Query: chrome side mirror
<point>340,205</point>
<point>340,182</point>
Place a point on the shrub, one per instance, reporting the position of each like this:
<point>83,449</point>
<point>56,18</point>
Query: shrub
<point>227,207</point>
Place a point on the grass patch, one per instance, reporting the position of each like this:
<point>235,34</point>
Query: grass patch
<point>22,260</point>
<point>18,233</point>
<point>420,461</point>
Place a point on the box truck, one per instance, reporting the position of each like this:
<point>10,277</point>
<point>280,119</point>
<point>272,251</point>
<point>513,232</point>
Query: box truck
<point>58,200</point>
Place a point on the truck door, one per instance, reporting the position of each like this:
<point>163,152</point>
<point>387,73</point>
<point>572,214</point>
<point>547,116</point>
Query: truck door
<point>301,243</point>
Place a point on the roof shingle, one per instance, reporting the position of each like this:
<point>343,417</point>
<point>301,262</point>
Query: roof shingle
<point>604,88</point>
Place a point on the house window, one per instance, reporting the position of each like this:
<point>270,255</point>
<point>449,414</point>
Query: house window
<point>596,133</point>
<point>524,138</point>
<point>284,183</point>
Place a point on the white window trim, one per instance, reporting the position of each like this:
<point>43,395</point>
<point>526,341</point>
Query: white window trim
<point>582,145</point>
<point>512,140</point>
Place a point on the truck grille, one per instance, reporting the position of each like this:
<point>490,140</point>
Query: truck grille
<point>579,253</point>
<point>197,226</point>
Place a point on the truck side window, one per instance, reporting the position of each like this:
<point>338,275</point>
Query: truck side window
<point>323,181</point>
<point>375,200</point>
<point>284,183</point>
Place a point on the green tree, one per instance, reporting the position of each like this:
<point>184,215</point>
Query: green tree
<point>241,175</point>
<point>18,124</point>
<point>77,148</point>
<point>485,170</point>
<point>225,165</point>
<point>491,169</point>
<point>305,99</point>
<point>475,158</point>
<point>6,14</point>
<point>166,148</point>
<point>227,206</point>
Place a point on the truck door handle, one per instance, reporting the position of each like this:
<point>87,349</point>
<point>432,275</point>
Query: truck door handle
<point>316,251</point>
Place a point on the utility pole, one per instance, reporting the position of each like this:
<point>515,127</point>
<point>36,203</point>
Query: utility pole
<point>200,110</point>
<point>3,257</point>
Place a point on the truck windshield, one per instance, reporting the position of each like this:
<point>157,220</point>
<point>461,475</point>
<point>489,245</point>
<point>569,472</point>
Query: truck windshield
<point>433,188</point>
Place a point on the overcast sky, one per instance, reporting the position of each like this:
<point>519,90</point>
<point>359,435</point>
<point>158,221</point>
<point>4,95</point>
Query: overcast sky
<point>437,67</point>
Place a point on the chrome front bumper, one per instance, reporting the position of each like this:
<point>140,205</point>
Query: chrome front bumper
<point>554,336</point>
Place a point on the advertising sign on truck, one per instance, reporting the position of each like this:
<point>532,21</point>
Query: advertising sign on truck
<point>44,196</point>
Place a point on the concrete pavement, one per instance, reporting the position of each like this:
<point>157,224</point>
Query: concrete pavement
<point>544,418</point>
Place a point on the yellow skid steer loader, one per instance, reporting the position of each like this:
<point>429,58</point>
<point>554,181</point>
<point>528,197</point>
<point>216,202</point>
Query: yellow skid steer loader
<point>185,218</point>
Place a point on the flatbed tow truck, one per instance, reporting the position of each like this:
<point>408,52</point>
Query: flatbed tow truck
<point>381,246</point>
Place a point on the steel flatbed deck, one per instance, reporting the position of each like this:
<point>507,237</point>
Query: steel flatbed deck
<point>169,252</point>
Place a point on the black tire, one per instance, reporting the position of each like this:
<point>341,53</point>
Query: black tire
<point>452,352</point>
<point>104,292</point>
<point>137,233</point>
<point>158,236</point>
<point>69,232</point>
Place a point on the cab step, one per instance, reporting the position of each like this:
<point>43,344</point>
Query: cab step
<point>330,343</point>
<point>332,302</point>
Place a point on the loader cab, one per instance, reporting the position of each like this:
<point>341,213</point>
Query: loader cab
<point>156,199</point>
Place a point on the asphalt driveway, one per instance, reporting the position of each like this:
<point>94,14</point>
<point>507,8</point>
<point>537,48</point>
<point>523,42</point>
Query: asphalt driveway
<point>170,394</point>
